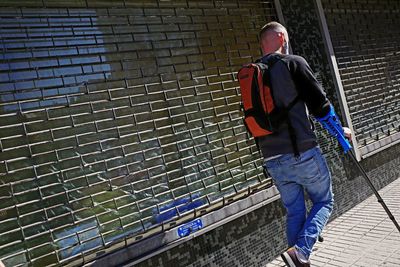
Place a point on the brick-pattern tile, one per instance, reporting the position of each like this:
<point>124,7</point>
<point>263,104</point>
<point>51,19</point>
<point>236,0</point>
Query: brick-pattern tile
<point>349,187</point>
<point>111,110</point>
<point>365,38</point>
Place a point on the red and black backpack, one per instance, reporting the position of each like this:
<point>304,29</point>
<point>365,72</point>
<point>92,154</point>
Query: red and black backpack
<point>261,115</point>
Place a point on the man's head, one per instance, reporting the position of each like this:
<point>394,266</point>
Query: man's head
<point>274,38</point>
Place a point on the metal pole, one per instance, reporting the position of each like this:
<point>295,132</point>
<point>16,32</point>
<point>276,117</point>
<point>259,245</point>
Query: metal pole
<point>378,196</point>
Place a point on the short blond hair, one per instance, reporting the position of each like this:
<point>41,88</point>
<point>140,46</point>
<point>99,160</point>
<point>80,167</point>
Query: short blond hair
<point>273,26</point>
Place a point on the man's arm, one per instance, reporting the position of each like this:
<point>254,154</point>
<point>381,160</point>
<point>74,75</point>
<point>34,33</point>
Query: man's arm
<point>310,91</point>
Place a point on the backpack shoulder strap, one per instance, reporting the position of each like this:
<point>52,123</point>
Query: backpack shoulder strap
<point>292,133</point>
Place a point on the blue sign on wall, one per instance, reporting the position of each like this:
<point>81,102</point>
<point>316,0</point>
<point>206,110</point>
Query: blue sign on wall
<point>190,227</point>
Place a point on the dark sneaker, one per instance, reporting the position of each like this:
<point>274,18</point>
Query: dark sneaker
<point>291,260</point>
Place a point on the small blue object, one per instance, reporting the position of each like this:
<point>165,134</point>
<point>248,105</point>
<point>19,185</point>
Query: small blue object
<point>176,207</point>
<point>190,227</point>
<point>332,123</point>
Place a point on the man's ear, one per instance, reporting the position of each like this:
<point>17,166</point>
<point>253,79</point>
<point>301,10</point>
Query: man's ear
<point>281,38</point>
<point>262,45</point>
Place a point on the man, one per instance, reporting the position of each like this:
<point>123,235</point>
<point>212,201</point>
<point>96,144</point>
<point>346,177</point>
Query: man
<point>295,161</point>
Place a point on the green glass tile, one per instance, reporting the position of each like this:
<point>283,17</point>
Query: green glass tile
<point>109,225</point>
<point>114,163</point>
<point>57,211</point>
<point>98,209</point>
<point>8,225</point>
<point>67,153</point>
<point>55,198</point>
<point>21,152</point>
<point>226,180</point>
<point>79,172</point>
<point>48,124</point>
<point>5,191</point>
<point>11,120</point>
<point>3,168</point>
<point>136,168</point>
<point>41,250</point>
<point>115,235</point>
<point>169,148</point>
<point>145,204</point>
<point>84,214</point>
<point>112,133</point>
<point>75,183</point>
<point>133,228</point>
<point>7,202</point>
<point>10,237</point>
<point>44,158</point>
<point>195,186</point>
<point>70,163</point>
<point>47,169</point>
<point>93,244</point>
<point>82,204</point>
<point>128,211</point>
<point>29,207</point>
<point>211,181</point>
<point>47,260</point>
<point>104,218</point>
<point>43,147</point>
<point>38,216</point>
<point>148,209</point>
<point>97,188</point>
<point>23,166</point>
<point>157,170</point>
<point>90,158</point>
<point>161,190</point>
<point>153,162</point>
<point>18,259</point>
<point>181,191</point>
<point>14,142</point>
<point>129,130</point>
<point>28,196</point>
<point>60,221</point>
<point>124,111</point>
<point>174,172</point>
<point>40,137</point>
<point>109,205</point>
<point>88,234</point>
<point>127,121</point>
<point>91,137</point>
<point>12,131</point>
<point>66,111</point>
<point>130,219</point>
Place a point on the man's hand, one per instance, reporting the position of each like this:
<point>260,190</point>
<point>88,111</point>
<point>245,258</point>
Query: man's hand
<point>347,133</point>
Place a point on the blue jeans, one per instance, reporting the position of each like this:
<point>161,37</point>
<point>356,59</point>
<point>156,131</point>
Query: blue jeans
<point>292,175</point>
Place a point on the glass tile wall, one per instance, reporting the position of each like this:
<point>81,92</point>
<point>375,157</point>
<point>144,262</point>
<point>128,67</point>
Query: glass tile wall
<point>117,118</point>
<point>365,37</point>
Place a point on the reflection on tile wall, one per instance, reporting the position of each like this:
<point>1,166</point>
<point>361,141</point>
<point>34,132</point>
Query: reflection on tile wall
<point>253,239</point>
<point>366,43</point>
<point>116,117</point>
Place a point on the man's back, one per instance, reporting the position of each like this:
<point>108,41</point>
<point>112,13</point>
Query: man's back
<point>291,77</point>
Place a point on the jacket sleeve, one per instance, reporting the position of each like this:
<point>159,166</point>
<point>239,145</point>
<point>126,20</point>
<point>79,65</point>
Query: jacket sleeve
<point>310,91</point>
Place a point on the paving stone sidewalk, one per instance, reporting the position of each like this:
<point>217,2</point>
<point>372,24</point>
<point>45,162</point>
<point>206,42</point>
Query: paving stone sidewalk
<point>362,237</point>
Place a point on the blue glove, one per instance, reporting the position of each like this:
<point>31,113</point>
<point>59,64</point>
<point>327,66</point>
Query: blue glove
<point>332,123</point>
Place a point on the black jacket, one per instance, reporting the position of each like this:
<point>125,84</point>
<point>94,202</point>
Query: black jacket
<point>291,76</point>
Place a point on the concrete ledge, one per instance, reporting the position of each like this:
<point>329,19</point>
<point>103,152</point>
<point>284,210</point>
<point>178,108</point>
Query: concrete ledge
<point>149,247</point>
<point>380,145</point>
